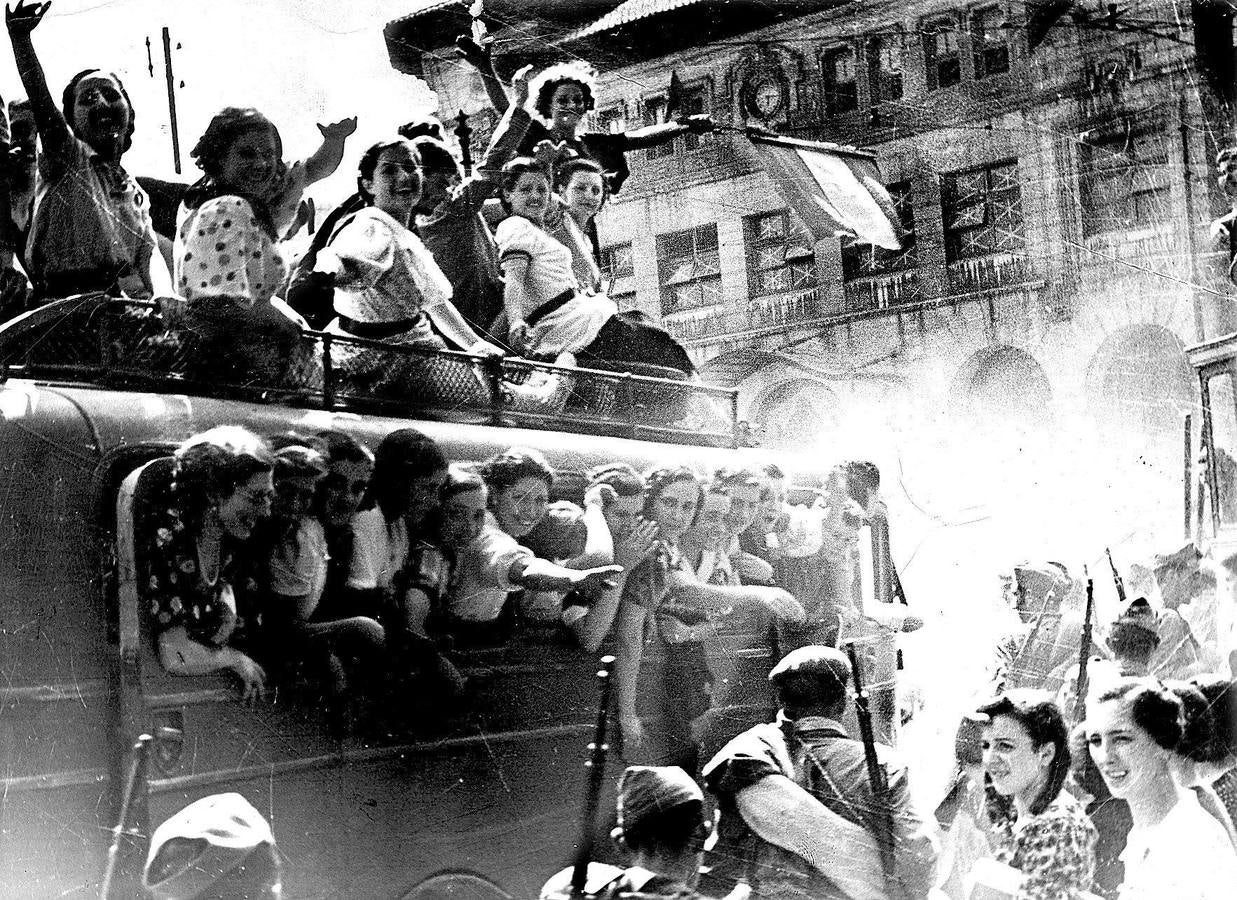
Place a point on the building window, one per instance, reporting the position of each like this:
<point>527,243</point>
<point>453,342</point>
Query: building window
<point>983,212</point>
<point>940,49</point>
<point>988,40</point>
<point>1125,182</point>
<point>619,269</point>
<point>612,120</point>
<point>780,257</point>
<point>841,87</point>
<point>885,58</point>
<point>689,269</point>
<point>693,103</point>
<point>655,114</point>
<point>865,260</point>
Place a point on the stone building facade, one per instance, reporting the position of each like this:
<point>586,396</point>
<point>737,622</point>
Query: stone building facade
<point>1055,201</point>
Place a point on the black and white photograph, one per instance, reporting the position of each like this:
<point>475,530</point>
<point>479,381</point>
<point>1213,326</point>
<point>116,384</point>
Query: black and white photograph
<point>618,450</point>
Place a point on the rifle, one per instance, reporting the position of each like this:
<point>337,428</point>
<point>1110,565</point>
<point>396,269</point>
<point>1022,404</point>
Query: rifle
<point>1116,577</point>
<point>596,765</point>
<point>876,776</point>
<point>1084,654</point>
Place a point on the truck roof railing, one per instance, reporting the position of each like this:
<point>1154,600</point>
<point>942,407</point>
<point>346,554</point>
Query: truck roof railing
<point>123,344</point>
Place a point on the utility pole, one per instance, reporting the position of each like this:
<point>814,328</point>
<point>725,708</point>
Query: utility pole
<point>167,69</point>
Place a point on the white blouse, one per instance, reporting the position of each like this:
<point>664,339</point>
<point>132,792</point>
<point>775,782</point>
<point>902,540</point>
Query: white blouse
<point>1187,856</point>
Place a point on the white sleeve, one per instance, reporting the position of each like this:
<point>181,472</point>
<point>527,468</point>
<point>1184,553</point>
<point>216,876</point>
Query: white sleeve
<point>369,549</point>
<point>515,236</point>
<point>497,551</point>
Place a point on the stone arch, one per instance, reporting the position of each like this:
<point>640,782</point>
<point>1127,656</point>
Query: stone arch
<point>1139,381</point>
<point>1003,385</point>
<point>792,415</point>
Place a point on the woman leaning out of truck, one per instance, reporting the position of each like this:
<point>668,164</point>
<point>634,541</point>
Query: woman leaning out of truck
<point>222,485</point>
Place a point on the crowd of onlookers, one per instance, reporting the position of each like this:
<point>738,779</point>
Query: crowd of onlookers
<point>504,260</point>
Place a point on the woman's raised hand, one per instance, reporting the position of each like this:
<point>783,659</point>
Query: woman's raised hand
<point>636,546</point>
<point>338,131</point>
<point>24,18</point>
<point>519,84</point>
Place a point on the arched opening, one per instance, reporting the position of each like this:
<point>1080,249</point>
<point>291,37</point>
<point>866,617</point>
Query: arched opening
<point>795,414</point>
<point>1140,383</point>
<point>1003,386</point>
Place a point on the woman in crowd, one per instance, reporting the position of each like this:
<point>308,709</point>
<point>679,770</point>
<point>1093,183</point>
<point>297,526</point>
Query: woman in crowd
<point>547,314</point>
<point>226,264</point>
<point>661,623</point>
<point>345,646</point>
<point>350,465</point>
<point>91,228</point>
<point>222,487</point>
<point>514,494</point>
<point>1200,756</point>
<point>1175,849</point>
<point>1039,828</point>
<point>706,543</point>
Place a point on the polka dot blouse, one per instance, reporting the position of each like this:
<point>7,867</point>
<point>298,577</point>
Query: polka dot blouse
<point>222,251</point>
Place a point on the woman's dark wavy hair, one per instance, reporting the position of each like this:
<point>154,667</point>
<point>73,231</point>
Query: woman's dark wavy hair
<point>504,470</point>
<point>1153,708</point>
<point>68,101</point>
<point>339,446</point>
<point>521,165</point>
<point>661,478</point>
<point>228,125</point>
<point>1221,696</point>
<point>1041,718</point>
<point>435,157</point>
<point>210,467</point>
<point>403,455</point>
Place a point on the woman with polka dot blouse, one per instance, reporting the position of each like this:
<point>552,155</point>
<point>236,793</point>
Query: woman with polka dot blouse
<point>226,264</point>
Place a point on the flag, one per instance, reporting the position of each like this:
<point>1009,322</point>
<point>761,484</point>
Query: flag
<point>1042,17</point>
<point>832,188</point>
<point>674,97</point>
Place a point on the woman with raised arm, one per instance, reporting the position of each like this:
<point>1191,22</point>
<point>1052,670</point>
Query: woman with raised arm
<point>227,265</point>
<point>1175,848</point>
<point>662,621</point>
<point>91,228</point>
<point>222,486</point>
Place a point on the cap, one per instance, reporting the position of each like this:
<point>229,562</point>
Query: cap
<point>222,830</point>
<point>811,677</point>
<point>644,792</point>
<point>1139,614</point>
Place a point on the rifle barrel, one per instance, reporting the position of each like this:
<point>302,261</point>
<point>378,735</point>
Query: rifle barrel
<point>596,766</point>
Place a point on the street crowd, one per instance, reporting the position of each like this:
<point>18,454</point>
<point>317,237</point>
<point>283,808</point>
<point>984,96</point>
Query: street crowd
<point>308,558</point>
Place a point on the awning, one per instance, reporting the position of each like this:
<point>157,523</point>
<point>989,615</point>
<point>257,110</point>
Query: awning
<point>832,188</point>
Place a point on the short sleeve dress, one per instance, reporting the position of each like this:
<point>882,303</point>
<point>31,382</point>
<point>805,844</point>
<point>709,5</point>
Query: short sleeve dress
<point>560,318</point>
<point>1054,850</point>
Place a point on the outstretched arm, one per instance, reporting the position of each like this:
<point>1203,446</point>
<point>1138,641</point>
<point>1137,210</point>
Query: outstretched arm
<point>330,153</point>
<point>53,130</point>
<point>481,57</point>
<point>653,135</point>
<point>717,598</point>
<point>629,650</point>
<point>181,655</point>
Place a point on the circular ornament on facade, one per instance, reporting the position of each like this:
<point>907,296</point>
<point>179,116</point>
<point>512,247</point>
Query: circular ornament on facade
<point>764,95</point>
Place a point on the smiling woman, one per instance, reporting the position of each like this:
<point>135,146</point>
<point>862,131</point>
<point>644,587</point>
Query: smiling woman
<point>222,487</point>
<point>226,264</point>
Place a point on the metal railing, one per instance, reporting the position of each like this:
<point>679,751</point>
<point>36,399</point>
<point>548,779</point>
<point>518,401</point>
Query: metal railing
<point>123,344</point>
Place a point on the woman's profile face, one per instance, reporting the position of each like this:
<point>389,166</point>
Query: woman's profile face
<point>240,511</point>
<point>675,508</point>
<point>1011,759</point>
<point>250,163</point>
<point>1126,755</point>
<point>520,507</point>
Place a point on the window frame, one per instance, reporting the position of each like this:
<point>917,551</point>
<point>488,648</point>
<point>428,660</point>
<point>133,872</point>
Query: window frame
<point>954,234</point>
<point>932,60</point>
<point>878,77</point>
<point>829,86</point>
<point>1089,176</point>
<point>981,47</point>
<point>669,265</point>
<point>608,273</point>
<point>791,229</point>
<point>887,262</point>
